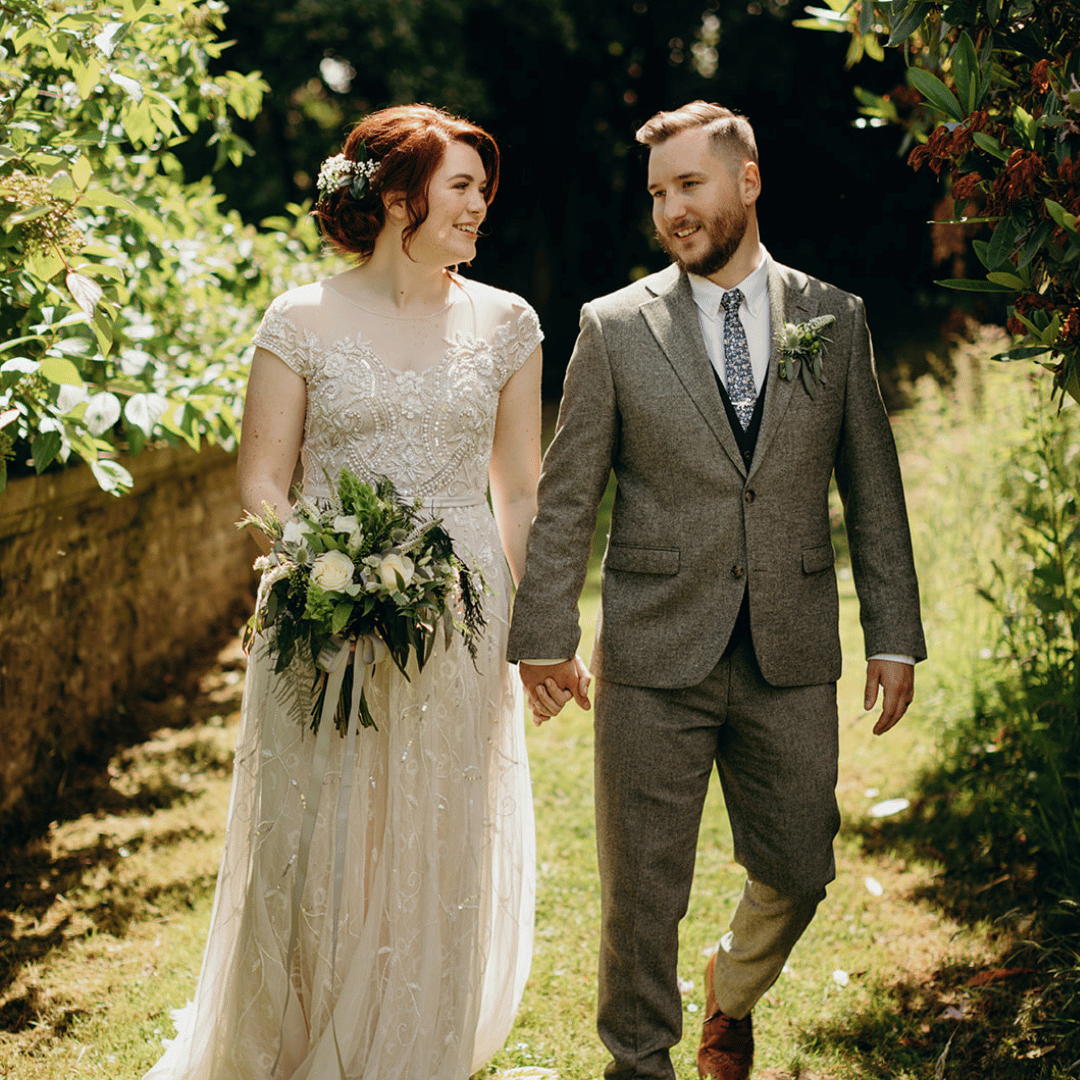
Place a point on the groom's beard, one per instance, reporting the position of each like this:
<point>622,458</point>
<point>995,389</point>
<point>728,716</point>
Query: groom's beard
<point>724,231</point>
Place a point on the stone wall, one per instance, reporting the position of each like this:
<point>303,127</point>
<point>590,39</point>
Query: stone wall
<point>98,596</point>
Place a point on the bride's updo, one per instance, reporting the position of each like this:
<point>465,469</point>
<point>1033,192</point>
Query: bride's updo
<point>406,144</point>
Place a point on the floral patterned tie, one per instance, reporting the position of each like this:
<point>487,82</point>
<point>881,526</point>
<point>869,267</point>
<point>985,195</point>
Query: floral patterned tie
<point>738,375</point>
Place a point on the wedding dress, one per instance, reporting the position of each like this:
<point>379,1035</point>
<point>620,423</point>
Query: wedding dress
<point>434,931</point>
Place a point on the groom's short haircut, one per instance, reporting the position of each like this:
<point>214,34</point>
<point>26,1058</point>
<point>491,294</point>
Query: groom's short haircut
<point>730,133</point>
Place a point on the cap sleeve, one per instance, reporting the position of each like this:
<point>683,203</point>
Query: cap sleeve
<point>517,339</point>
<point>277,333</point>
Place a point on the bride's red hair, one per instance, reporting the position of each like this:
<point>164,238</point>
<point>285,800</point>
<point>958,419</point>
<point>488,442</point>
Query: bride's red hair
<point>408,142</point>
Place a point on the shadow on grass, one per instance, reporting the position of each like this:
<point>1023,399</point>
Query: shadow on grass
<point>63,883</point>
<point>960,1022</point>
<point>1019,1016</point>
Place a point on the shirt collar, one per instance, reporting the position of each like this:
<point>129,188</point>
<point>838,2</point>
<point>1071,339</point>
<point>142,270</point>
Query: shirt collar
<point>755,288</point>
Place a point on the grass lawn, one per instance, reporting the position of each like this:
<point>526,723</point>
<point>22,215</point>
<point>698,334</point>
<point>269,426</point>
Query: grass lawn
<point>902,975</point>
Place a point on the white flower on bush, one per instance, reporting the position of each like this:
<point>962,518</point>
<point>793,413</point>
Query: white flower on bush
<point>332,571</point>
<point>394,566</point>
<point>347,523</point>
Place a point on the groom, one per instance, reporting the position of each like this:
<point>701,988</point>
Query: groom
<point>718,641</point>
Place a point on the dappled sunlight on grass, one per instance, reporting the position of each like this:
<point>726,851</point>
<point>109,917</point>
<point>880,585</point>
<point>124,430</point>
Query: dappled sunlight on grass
<point>908,971</point>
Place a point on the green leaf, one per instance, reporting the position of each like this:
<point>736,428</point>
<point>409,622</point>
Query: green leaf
<point>342,613</point>
<point>1001,242</point>
<point>970,285</point>
<point>1061,215</point>
<point>1025,126</point>
<point>63,187</point>
<point>1035,240</point>
<point>101,324</point>
<point>990,145</point>
<point>45,265</point>
<point>937,94</point>
<point>25,215</point>
<point>966,71</point>
<point>1010,281</point>
<point>61,371</point>
<point>99,196</point>
<point>1025,352</point>
<point>993,10</point>
<point>866,18</point>
<point>44,448</point>
<point>907,26</point>
<point>82,172</point>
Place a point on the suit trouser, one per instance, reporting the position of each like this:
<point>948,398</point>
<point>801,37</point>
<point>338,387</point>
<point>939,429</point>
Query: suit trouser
<point>776,750</point>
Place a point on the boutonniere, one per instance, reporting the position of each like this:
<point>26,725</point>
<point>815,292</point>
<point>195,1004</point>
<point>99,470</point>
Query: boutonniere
<point>804,341</point>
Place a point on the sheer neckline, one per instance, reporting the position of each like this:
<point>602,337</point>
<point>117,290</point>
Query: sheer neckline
<point>455,297</point>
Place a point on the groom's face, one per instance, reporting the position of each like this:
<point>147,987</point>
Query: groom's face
<point>699,207</point>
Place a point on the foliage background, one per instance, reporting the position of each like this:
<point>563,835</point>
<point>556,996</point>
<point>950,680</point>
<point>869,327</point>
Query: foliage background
<point>563,86</point>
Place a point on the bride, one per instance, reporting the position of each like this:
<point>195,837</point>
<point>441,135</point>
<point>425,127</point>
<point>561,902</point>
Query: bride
<point>400,367</point>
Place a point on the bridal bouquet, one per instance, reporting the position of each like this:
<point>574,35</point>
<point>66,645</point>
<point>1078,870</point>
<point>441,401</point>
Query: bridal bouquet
<point>365,575</point>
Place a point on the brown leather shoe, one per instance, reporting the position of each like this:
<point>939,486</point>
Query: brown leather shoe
<point>727,1045</point>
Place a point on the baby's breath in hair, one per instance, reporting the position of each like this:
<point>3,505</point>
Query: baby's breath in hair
<point>339,171</point>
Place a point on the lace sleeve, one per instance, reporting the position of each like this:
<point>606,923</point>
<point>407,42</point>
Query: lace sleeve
<point>278,334</point>
<point>517,339</point>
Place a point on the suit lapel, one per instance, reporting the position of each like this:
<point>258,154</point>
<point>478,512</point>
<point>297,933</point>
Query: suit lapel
<point>672,318</point>
<point>788,302</point>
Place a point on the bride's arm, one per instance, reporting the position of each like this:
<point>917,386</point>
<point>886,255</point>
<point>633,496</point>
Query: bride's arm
<point>515,460</point>
<point>273,428</point>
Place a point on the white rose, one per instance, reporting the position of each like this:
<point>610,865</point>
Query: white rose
<point>332,571</point>
<point>347,523</point>
<point>391,567</point>
<point>293,532</point>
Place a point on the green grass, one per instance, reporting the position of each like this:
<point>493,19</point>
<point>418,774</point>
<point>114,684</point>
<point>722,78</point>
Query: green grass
<point>103,919</point>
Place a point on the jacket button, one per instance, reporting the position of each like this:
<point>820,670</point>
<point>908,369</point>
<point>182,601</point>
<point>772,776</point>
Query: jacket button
<point>736,571</point>
<point>748,497</point>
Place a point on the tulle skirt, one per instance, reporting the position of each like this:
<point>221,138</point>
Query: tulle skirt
<point>434,846</point>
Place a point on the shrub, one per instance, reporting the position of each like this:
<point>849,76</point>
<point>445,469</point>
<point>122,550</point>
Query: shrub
<point>127,295</point>
<point>993,102</point>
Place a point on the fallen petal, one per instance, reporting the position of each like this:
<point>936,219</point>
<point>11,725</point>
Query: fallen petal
<point>889,807</point>
<point>873,886</point>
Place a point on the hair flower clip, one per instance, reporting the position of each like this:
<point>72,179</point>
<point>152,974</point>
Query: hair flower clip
<point>339,171</point>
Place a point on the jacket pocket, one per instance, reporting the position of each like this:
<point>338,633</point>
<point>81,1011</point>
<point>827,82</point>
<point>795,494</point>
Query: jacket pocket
<point>638,560</point>
<point>818,558</point>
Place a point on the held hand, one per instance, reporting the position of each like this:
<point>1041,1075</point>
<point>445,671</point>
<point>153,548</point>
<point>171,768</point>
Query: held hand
<point>897,682</point>
<point>548,687</point>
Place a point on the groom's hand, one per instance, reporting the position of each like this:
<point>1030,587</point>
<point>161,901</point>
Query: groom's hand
<point>548,687</point>
<point>897,683</point>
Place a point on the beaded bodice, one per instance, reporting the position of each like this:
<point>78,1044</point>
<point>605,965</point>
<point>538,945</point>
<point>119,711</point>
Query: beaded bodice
<point>428,426</point>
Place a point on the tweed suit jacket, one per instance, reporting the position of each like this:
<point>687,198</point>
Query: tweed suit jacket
<point>692,528</point>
